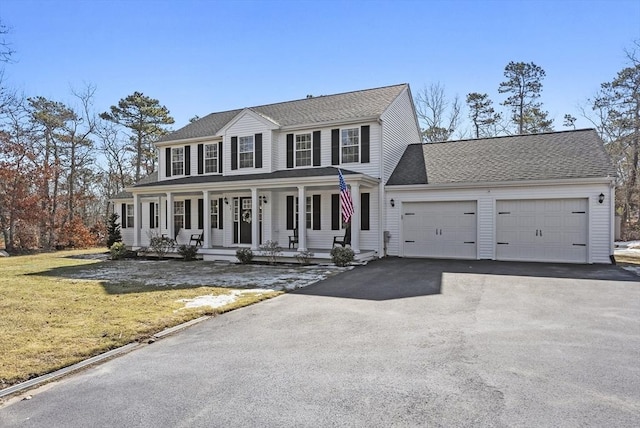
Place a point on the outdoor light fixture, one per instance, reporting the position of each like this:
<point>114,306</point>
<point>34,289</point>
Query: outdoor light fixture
<point>601,198</point>
<point>392,202</point>
<point>263,199</point>
<point>226,201</point>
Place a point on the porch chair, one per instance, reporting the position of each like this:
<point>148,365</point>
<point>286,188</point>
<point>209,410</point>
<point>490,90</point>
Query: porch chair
<point>293,239</point>
<point>343,240</point>
<point>196,239</point>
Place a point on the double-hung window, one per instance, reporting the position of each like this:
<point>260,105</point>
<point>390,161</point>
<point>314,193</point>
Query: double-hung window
<point>245,152</point>
<point>178,215</point>
<point>350,145</point>
<point>129,220</point>
<point>210,158</point>
<point>156,216</point>
<point>214,213</point>
<point>177,161</point>
<point>303,149</point>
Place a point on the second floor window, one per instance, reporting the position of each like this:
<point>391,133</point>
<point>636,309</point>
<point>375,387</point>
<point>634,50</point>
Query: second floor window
<point>211,158</point>
<point>245,152</point>
<point>177,161</point>
<point>303,150</point>
<point>350,145</point>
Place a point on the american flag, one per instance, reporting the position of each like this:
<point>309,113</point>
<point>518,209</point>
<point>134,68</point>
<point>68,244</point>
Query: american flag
<point>345,199</point>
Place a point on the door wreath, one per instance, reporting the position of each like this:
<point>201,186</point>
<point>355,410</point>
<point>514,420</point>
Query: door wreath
<point>246,216</point>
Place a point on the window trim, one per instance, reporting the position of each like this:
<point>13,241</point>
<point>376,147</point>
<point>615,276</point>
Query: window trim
<point>343,146</point>
<point>214,212</point>
<point>240,152</point>
<point>156,215</point>
<point>309,150</point>
<point>177,215</point>
<point>175,163</point>
<point>213,159</point>
<point>130,216</point>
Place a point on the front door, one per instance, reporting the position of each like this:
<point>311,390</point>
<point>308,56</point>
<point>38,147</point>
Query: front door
<point>242,217</point>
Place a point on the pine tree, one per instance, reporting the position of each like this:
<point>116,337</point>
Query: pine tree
<point>113,230</point>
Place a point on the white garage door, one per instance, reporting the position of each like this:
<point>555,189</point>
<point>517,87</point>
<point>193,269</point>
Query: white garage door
<point>546,230</point>
<point>439,229</point>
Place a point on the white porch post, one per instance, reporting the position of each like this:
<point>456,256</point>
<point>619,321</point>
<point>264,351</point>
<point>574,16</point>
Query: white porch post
<point>160,217</point>
<point>255,230</point>
<point>355,220</point>
<point>170,231</point>
<point>302,219</point>
<point>206,223</point>
<point>136,220</point>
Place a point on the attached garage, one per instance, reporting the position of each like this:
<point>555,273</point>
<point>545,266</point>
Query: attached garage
<point>551,230</point>
<point>546,197</point>
<point>440,229</point>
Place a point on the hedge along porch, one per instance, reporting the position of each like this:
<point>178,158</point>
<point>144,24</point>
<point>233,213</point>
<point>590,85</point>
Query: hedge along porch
<point>224,213</point>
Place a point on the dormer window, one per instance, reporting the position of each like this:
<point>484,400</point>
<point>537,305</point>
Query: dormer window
<point>350,145</point>
<point>245,152</point>
<point>303,150</point>
<point>177,161</point>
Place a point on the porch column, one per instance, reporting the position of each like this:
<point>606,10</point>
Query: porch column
<point>355,220</point>
<point>206,223</point>
<point>136,220</point>
<point>170,231</point>
<point>302,219</point>
<point>255,230</point>
<point>160,216</point>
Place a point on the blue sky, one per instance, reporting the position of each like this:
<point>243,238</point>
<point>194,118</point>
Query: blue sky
<point>199,57</point>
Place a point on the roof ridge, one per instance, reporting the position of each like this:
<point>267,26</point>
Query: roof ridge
<point>512,136</point>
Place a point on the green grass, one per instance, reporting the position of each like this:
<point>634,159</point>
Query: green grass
<point>50,321</point>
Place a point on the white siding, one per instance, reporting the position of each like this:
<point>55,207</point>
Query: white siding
<point>600,215</point>
<point>399,130</point>
<point>245,126</point>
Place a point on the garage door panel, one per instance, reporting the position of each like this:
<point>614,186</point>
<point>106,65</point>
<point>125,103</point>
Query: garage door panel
<point>542,230</point>
<point>444,229</point>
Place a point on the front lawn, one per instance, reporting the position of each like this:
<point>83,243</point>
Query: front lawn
<point>52,316</point>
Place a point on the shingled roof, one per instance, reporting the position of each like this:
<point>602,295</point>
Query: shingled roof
<point>545,156</point>
<point>321,109</point>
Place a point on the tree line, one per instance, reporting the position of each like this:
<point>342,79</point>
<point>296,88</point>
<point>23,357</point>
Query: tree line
<point>61,162</point>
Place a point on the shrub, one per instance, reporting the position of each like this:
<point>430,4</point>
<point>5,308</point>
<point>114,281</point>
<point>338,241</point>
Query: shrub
<point>160,245</point>
<point>188,252</point>
<point>245,255</point>
<point>342,256</point>
<point>113,230</point>
<point>75,234</point>
<point>118,251</point>
<point>271,249</point>
<point>304,257</point>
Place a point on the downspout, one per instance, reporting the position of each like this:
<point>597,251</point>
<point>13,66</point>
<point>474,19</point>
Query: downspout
<point>381,195</point>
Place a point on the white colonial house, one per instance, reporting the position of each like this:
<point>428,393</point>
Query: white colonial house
<point>243,177</point>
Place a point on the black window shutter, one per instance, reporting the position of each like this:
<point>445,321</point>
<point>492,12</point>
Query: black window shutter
<point>258,148</point>
<point>234,153</point>
<point>187,160</point>
<point>364,211</point>
<point>152,215</point>
<point>316,212</point>
<point>220,158</point>
<point>335,147</point>
<point>364,149</point>
<point>187,214</point>
<point>290,212</point>
<point>220,211</point>
<point>167,162</point>
<point>316,148</point>
<point>335,211</point>
<point>200,213</point>
<point>290,151</point>
<point>123,218</point>
<point>200,158</point>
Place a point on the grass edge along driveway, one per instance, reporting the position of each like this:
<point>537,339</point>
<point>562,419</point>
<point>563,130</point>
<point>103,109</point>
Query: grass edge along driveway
<point>50,321</point>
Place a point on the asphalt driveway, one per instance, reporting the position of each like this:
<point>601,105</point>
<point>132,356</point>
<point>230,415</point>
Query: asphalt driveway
<point>394,343</point>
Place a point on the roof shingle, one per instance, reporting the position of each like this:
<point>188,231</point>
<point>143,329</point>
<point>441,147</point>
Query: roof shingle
<point>554,155</point>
